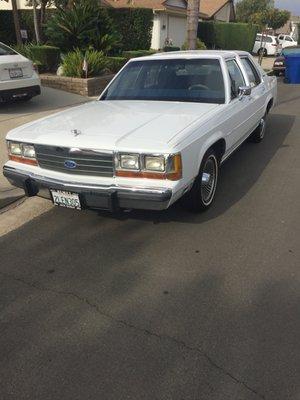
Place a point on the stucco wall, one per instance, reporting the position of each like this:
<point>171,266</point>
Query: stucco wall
<point>223,14</point>
<point>167,25</point>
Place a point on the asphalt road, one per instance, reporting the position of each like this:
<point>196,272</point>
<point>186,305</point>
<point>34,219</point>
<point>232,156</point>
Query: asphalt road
<point>164,305</point>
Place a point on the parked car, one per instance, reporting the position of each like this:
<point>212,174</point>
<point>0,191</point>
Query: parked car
<point>265,44</point>
<point>18,78</point>
<point>286,41</point>
<point>159,132</point>
<point>279,63</point>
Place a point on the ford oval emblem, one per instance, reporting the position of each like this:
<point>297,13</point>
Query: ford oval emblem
<point>70,164</point>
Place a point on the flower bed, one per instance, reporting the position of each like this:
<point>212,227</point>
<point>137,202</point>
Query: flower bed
<point>84,87</point>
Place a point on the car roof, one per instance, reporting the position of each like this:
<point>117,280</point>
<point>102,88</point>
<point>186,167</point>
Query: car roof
<point>194,54</point>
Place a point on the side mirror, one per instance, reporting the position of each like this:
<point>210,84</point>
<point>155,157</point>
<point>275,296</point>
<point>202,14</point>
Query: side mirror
<point>244,91</point>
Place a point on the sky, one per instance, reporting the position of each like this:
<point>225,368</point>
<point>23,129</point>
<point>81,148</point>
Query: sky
<point>291,5</point>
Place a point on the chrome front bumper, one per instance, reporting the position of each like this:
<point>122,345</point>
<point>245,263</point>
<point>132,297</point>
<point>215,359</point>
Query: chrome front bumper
<point>110,197</point>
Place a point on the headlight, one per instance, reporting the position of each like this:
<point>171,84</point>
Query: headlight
<point>154,163</point>
<point>21,152</point>
<point>129,161</point>
<point>279,63</point>
<point>28,151</point>
<point>15,148</point>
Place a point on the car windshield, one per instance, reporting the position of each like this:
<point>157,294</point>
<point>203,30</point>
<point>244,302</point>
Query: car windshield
<point>186,80</point>
<point>6,51</point>
<point>287,51</point>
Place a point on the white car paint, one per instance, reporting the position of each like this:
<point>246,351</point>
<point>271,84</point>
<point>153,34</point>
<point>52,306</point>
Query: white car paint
<point>269,44</point>
<point>286,41</point>
<point>153,127</point>
<point>15,86</point>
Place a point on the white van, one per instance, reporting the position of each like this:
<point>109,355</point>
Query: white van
<point>267,46</point>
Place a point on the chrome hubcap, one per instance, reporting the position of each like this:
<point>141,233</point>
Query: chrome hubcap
<point>262,126</point>
<point>209,180</point>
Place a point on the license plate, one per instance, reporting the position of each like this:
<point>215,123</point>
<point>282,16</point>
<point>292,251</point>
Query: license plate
<point>15,73</point>
<point>66,199</point>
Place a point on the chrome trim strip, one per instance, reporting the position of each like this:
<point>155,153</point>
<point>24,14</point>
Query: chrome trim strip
<point>112,187</point>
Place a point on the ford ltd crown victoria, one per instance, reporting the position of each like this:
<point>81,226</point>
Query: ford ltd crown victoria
<point>158,133</point>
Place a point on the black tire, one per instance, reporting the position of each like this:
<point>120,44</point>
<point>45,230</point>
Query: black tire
<point>276,73</point>
<point>259,133</point>
<point>202,193</point>
<point>262,52</point>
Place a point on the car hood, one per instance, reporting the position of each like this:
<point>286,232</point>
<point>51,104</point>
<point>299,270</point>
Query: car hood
<point>116,124</point>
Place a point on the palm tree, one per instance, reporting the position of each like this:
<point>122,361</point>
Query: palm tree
<point>192,23</point>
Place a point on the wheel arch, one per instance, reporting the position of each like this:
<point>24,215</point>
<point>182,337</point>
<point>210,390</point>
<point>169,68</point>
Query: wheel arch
<point>215,142</point>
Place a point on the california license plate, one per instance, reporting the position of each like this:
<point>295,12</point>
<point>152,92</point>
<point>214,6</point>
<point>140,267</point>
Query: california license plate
<point>15,73</point>
<point>66,199</point>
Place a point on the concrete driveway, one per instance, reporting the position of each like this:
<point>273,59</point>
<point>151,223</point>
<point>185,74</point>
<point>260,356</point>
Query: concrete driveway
<point>165,306</point>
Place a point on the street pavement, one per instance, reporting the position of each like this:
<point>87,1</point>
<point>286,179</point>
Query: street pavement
<point>163,305</point>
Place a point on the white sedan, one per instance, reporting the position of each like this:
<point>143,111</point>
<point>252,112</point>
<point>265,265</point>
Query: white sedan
<point>18,78</point>
<point>159,132</point>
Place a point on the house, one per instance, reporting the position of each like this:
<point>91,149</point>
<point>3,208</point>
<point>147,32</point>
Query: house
<point>170,17</point>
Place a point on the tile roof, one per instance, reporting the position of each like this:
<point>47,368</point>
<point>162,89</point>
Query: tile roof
<point>207,7</point>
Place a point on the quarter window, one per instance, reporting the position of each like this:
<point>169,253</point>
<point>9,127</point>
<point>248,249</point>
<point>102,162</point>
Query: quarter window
<point>236,77</point>
<point>252,74</point>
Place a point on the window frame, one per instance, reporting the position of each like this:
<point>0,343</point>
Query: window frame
<point>232,95</point>
<point>254,69</point>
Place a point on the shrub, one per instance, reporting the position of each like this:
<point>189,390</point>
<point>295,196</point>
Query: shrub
<point>137,53</point>
<point>84,26</point>
<point>199,45</point>
<point>134,27</point>
<point>227,36</point>
<point>171,48</point>
<point>73,63</point>
<point>24,49</point>
<point>46,57</point>
<point>114,64</point>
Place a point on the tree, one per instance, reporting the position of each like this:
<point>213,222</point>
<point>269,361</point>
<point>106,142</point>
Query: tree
<point>245,9</point>
<point>192,23</point>
<point>278,18</point>
<point>84,26</point>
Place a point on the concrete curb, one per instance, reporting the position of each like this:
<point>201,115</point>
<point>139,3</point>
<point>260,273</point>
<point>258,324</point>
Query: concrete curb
<point>9,195</point>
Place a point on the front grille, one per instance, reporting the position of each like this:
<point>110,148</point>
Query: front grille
<point>88,162</point>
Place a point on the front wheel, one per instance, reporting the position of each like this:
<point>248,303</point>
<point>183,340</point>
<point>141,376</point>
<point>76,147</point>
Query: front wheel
<point>259,133</point>
<point>262,52</point>
<point>202,193</point>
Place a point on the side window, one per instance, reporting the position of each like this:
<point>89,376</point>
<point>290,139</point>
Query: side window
<point>252,74</point>
<point>236,77</point>
<point>258,38</point>
<point>288,39</point>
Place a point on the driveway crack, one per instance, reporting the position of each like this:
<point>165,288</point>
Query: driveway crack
<point>138,329</point>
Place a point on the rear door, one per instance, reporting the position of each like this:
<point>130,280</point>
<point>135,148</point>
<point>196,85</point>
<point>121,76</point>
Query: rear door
<point>237,125</point>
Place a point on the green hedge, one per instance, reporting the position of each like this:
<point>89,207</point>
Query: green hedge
<point>227,36</point>
<point>7,30</point>
<point>114,64</point>
<point>46,57</point>
<point>137,53</point>
<point>134,26</point>
<point>171,48</point>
